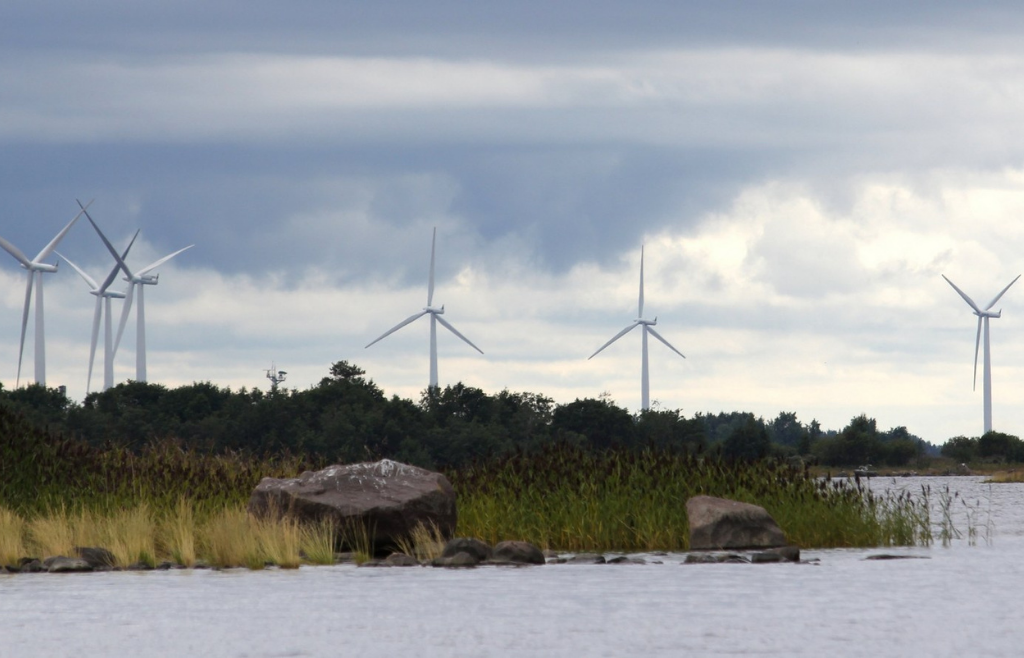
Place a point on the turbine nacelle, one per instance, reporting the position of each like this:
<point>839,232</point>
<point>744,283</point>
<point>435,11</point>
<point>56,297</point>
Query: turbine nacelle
<point>39,267</point>
<point>648,323</point>
<point>146,279</point>
<point>435,311</point>
<point>112,294</point>
<point>990,314</point>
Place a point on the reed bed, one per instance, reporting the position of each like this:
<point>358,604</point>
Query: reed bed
<point>570,499</point>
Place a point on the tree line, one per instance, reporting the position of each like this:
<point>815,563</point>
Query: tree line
<point>347,418</point>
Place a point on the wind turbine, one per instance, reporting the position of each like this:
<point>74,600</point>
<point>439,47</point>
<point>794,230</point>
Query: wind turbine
<point>103,296</point>
<point>435,317</point>
<point>648,328</point>
<point>983,317</point>
<point>36,268</point>
<point>140,279</point>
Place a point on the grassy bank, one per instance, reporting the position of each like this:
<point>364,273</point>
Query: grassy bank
<point>169,503</point>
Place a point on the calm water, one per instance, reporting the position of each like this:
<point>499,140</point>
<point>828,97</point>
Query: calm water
<point>962,600</point>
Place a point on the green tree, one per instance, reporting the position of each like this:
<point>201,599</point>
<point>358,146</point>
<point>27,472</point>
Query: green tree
<point>747,442</point>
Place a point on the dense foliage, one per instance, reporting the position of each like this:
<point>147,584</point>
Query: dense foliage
<point>346,418</point>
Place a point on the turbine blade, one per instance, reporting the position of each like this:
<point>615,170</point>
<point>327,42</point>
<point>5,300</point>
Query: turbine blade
<point>113,272</point>
<point>614,338</point>
<point>398,326</point>
<point>88,279</point>
<point>964,295</point>
<point>452,329</point>
<point>14,251</point>
<point>95,337</point>
<point>160,262</point>
<point>996,299</point>
<point>654,333</point>
<point>124,315</point>
<point>640,307</point>
<point>977,344</point>
<point>48,249</point>
<point>430,284</point>
<point>24,324</point>
<point>110,247</point>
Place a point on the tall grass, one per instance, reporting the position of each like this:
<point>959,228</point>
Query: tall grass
<point>317,542</point>
<point>179,533</point>
<point>12,537</point>
<point>566,498</point>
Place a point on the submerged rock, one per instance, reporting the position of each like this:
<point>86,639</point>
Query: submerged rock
<point>717,523</point>
<point>587,558</point>
<point>783,554</point>
<point>382,502</point>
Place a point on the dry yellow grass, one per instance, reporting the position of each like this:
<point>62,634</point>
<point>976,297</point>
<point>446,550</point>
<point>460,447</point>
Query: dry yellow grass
<point>130,535</point>
<point>1002,477</point>
<point>178,533</point>
<point>228,541</point>
<point>51,534</point>
<point>317,544</point>
<point>426,543</point>
<point>12,537</point>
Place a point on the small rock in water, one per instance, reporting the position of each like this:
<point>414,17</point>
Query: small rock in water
<point>32,565</point>
<point>517,552</point>
<point>587,558</point>
<point>626,559</point>
<point>481,550</point>
<point>401,560</point>
<point>95,556</point>
<point>457,560</point>
<point>783,554</point>
<point>63,564</point>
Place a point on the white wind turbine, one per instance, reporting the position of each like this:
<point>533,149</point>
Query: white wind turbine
<point>140,279</point>
<point>103,296</point>
<point>983,317</point>
<point>36,268</point>
<point>648,328</point>
<point>435,317</point>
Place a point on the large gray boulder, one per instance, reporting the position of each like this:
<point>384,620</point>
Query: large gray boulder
<point>381,501</point>
<point>718,524</point>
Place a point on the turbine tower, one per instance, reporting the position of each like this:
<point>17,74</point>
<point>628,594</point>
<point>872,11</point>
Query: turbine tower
<point>435,317</point>
<point>983,317</point>
<point>648,328</point>
<point>140,279</point>
<point>36,268</point>
<point>103,296</point>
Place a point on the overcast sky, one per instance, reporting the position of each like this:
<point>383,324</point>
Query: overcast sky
<point>799,174</point>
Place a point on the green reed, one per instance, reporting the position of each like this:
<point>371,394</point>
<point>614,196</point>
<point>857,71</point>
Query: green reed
<point>567,498</point>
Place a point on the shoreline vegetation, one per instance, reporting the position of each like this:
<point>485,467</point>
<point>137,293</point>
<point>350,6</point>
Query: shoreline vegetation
<point>585,476</point>
<point>168,503</point>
